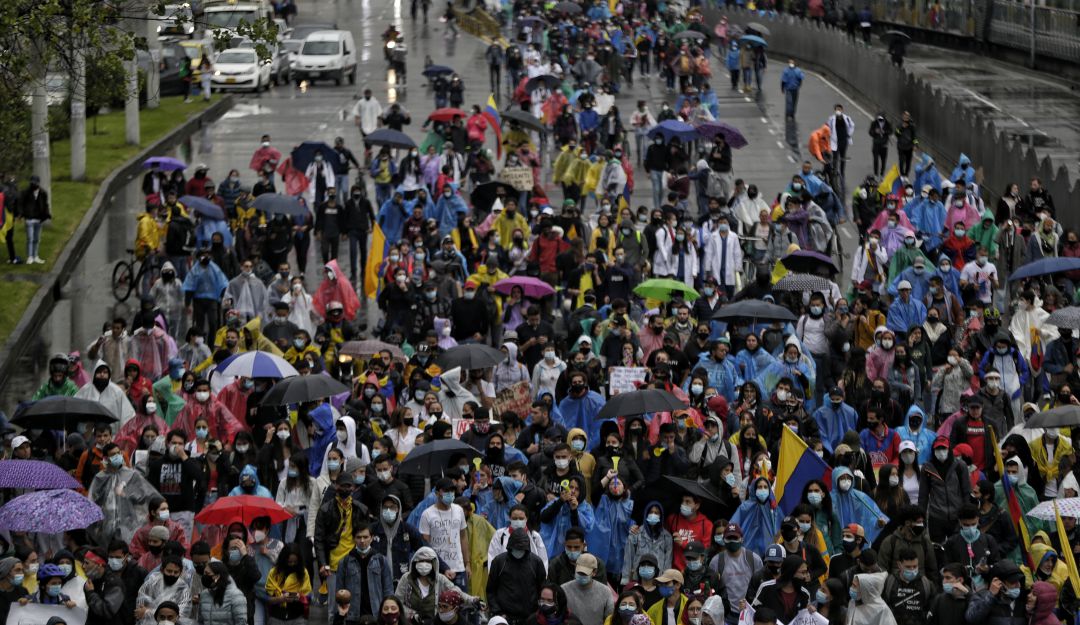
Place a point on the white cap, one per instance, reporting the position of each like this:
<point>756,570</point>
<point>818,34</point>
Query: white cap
<point>907,446</point>
<point>548,211</point>
<point>904,284</point>
<point>19,441</point>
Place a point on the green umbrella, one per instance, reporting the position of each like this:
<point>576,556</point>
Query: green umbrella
<point>662,288</point>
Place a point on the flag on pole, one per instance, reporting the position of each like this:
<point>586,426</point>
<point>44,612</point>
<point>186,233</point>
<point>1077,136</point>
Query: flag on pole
<point>374,261</point>
<point>1066,551</point>
<point>797,466</point>
<point>891,183</point>
<point>491,112</point>
<point>1012,503</point>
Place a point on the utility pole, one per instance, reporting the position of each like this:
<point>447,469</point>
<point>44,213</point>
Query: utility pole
<point>153,76</point>
<point>39,124</point>
<point>131,103</point>
<point>1031,59</point>
<point>78,113</point>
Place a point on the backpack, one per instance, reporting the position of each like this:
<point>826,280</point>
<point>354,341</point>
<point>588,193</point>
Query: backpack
<point>713,186</point>
<point>180,237</point>
<point>722,557</point>
<point>684,64</point>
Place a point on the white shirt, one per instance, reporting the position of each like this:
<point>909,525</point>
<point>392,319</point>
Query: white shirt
<point>443,529</point>
<point>982,277</point>
<point>367,112</point>
<point>498,545</point>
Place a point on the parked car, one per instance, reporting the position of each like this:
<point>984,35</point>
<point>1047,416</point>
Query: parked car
<point>240,68</point>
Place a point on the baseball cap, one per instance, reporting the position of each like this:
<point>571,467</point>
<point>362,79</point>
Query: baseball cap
<point>854,529</point>
<point>470,284</point>
<point>941,441</point>
<point>775,553</point>
<point>904,284</point>
<point>733,531</point>
<point>19,441</point>
<point>919,261</point>
<point>670,575</point>
<point>907,446</point>
<point>586,563</point>
<point>159,532</point>
<point>694,549</point>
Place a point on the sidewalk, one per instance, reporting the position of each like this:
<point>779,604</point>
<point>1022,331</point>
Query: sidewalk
<point>1034,108</point>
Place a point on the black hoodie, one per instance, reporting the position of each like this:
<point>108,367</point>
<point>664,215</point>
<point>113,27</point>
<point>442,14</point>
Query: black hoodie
<point>513,586</point>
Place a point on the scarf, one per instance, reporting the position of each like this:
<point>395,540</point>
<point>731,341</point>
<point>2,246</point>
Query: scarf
<point>1048,241</point>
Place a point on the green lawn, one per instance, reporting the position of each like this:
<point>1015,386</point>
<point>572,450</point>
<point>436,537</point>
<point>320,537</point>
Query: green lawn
<point>105,151</point>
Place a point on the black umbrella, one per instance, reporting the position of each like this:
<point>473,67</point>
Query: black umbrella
<point>640,402</point>
<point>303,388</point>
<point>470,356</point>
<point>809,261</point>
<point>1060,417</point>
<point>692,487</point>
<point>431,71</point>
<point>895,34</point>
<point>483,195</point>
<point>62,413</point>
<point>433,458</point>
<point>697,35</point>
<point>754,309</point>
<point>524,119</point>
<point>549,80</point>
<point>758,28</point>
<point>278,204</point>
<point>303,154</point>
<point>391,138</point>
<point>571,8</point>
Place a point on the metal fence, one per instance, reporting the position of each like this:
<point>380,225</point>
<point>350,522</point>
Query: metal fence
<point>945,125</point>
<point>1057,31</point>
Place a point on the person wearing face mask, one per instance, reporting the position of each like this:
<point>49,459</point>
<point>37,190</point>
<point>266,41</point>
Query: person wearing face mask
<point>165,594</point>
<point>1013,370</point>
<point>247,292</point>
<point>121,490</point>
<point>944,487</point>
<point>757,516</point>
<point>789,592</point>
<point>111,396</point>
<point>515,577</point>
<point>203,287</point>
<point>365,572</point>
<point>423,587</point>
<point>909,547</point>
<point>855,506</point>
<point>223,425</point>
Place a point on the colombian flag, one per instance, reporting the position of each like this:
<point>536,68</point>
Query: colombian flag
<point>798,465</point>
<point>1012,502</point>
<point>891,184</point>
<point>374,261</point>
<point>1066,550</point>
<point>7,221</point>
<point>491,112</point>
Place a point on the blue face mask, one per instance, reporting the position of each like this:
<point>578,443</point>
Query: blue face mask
<point>814,498</point>
<point>908,575</point>
<point>653,519</point>
<point>854,594</point>
<point>1011,593</point>
<point>201,432</point>
<point>577,444</point>
<point>54,591</point>
<point>516,484</point>
<point>822,599</point>
<point>293,473</point>
<point>646,572</point>
<point>762,494</point>
<point>234,555</point>
<point>694,565</point>
<point>582,579</point>
<point>947,587</point>
<point>666,591</point>
<point>970,534</point>
<point>573,555</point>
<point>447,498</point>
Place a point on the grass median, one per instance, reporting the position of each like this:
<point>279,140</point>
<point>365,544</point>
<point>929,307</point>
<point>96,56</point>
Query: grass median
<point>106,150</point>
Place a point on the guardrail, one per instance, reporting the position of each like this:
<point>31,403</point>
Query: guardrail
<point>1057,31</point>
<point>945,125</point>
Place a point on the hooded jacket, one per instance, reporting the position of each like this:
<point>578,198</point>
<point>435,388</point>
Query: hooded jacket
<point>452,395</point>
<point>418,606</point>
<point>112,398</point>
<point>855,506</point>
<point>608,537</point>
<point>650,540</point>
<point>943,489</point>
<point>258,490</point>
<point>1045,599</point>
<point>869,608</point>
<point>513,585</point>
<point>398,540</point>
<point>328,530</point>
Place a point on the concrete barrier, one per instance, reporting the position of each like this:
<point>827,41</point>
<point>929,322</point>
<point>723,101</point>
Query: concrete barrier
<point>49,291</point>
<point>944,125</point>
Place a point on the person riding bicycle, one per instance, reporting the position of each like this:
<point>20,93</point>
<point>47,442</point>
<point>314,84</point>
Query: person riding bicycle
<point>819,145</point>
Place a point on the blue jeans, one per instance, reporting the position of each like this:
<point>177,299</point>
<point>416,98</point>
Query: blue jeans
<point>33,237</point>
<point>791,101</point>
<point>382,193</point>
<point>341,182</point>
<point>657,177</point>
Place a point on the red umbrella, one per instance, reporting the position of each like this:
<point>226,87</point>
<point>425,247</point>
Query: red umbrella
<point>447,114</point>
<point>242,508</point>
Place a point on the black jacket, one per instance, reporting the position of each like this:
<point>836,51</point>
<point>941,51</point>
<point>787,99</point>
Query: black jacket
<point>358,215</point>
<point>326,526</point>
<point>513,585</point>
<point>34,207</point>
<point>105,603</point>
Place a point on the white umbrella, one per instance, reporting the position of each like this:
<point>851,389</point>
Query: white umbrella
<point>1070,506</point>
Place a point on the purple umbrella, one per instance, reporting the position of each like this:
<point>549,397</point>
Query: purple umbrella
<point>531,287</point>
<point>731,134</point>
<point>166,163</point>
<point>49,512</point>
<point>34,474</point>
<point>807,261</point>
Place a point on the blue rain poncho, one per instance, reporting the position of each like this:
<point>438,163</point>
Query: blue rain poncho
<point>855,506</point>
<point>607,540</point>
<point>759,521</point>
<point>581,413</point>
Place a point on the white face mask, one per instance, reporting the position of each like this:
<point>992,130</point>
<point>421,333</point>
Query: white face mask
<point>342,436</point>
<point>151,407</point>
<point>202,396</point>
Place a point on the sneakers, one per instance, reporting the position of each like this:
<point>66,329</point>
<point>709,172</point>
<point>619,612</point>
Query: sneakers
<point>15,261</point>
<point>35,260</point>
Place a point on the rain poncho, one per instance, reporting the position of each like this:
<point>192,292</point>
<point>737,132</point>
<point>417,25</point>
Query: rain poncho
<point>926,173</point>
<point>112,398</point>
<point>452,395</point>
<point>922,437</point>
<point>258,490</point>
<point>607,540</point>
<point>1029,329</point>
<point>128,436</point>
<point>325,432</point>
<point>248,295</point>
<point>760,522</point>
<point>554,531</point>
<point>150,348</point>
<point>223,425</point>
<point>347,448</point>
<point>750,364</point>
<point>870,608</point>
<point>154,592</point>
<point>124,512</point>
<point>336,288</point>
<point>446,213</point>
<point>963,170</point>
<point>581,413</point>
<point>391,219</point>
<point>856,506</point>
<point>835,421</point>
<point>498,513</point>
<point>724,376</point>
<point>301,308</point>
<point>801,373</point>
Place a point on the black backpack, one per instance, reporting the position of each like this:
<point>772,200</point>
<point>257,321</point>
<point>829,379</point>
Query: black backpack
<point>180,236</point>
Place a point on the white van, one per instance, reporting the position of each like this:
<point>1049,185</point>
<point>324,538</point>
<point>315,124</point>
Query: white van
<point>228,15</point>
<point>326,54</point>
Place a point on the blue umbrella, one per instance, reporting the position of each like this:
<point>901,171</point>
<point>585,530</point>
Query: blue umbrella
<point>391,138</point>
<point>279,204</point>
<point>432,71</point>
<point>1044,266</point>
<point>166,163</point>
<point>256,365</point>
<point>671,129</point>
<point>754,40</point>
<point>303,154</point>
<point>203,206</point>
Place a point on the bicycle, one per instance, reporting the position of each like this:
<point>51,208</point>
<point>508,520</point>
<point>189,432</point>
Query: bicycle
<point>125,275</point>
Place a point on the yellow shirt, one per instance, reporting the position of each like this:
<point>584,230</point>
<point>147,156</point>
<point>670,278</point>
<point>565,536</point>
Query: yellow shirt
<point>276,587</point>
<point>345,534</point>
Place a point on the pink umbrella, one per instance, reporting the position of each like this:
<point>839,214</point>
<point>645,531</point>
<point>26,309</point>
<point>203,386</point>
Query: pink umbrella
<point>531,287</point>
